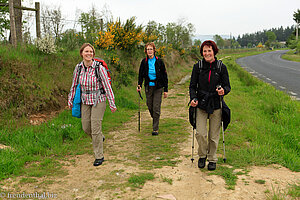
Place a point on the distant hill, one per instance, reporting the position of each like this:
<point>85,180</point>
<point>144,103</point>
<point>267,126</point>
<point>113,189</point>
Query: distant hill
<point>202,38</point>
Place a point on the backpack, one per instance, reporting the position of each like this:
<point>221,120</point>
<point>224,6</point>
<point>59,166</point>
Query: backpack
<point>219,64</point>
<point>103,63</point>
<point>192,110</point>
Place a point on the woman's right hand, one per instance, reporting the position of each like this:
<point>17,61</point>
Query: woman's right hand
<point>113,110</point>
<point>70,107</point>
<point>194,103</point>
<point>138,89</point>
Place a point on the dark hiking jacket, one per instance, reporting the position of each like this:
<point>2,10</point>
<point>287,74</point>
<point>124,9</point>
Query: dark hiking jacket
<point>203,85</point>
<point>161,74</point>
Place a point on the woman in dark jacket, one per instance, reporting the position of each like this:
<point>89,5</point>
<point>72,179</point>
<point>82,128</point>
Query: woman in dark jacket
<point>153,71</point>
<point>209,82</point>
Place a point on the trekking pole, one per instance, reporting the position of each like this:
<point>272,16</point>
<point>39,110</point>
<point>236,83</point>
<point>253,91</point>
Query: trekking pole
<point>139,128</point>
<point>139,115</point>
<point>222,127</point>
<point>194,124</point>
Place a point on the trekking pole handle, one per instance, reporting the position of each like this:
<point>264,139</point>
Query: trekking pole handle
<point>138,89</point>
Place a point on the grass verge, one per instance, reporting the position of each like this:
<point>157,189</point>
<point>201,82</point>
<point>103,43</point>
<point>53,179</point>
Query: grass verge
<point>292,56</point>
<point>264,127</point>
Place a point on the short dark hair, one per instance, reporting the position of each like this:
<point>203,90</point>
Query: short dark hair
<point>85,45</point>
<point>209,43</point>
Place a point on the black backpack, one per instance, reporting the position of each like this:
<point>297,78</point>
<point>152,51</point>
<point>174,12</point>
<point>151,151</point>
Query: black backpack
<point>219,65</point>
<point>192,110</point>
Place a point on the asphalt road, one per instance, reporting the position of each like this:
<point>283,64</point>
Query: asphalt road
<point>271,68</point>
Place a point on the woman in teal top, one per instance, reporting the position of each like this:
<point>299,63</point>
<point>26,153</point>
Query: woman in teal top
<point>153,71</point>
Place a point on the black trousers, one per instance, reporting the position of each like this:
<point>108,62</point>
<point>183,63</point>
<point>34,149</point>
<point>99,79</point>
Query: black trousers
<point>153,96</point>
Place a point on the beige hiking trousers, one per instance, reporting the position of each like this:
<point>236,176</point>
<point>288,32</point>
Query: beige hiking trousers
<point>208,141</point>
<point>91,119</point>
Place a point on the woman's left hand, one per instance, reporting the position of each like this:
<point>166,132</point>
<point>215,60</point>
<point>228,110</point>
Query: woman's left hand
<point>165,94</point>
<point>220,91</point>
<point>113,110</point>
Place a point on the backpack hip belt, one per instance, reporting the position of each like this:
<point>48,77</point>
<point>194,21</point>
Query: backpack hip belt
<point>90,92</point>
<point>98,92</point>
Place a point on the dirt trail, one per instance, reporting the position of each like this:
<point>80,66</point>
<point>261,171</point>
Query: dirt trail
<point>85,181</point>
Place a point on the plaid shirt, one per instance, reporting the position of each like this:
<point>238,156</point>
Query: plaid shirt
<point>88,82</point>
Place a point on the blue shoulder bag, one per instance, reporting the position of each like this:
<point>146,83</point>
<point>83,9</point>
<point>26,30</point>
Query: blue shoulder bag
<point>76,109</point>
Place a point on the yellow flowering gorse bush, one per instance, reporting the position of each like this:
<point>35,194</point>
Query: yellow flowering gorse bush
<point>122,36</point>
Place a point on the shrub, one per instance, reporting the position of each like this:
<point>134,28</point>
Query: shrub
<point>46,44</point>
<point>71,40</point>
<point>298,47</point>
<point>123,36</point>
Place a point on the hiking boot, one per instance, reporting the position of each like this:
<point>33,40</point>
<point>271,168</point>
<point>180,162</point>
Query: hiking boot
<point>98,162</point>
<point>211,166</point>
<point>201,162</point>
<point>155,133</point>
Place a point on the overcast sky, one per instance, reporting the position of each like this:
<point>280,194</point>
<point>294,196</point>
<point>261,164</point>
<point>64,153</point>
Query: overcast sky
<point>210,17</point>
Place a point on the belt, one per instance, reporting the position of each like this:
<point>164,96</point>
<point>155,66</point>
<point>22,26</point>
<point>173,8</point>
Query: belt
<point>90,92</point>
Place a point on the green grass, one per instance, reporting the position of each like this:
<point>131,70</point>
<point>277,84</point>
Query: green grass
<point>294,190</point>
<point>138,180</point>
<point>291,56</point>
<point>166,179</point>
<point>156,152</point>
<point>229,176</point>
<point>276,193</point>
<point>265,124</point>
<point>259,181</point>
<point>59,137</point>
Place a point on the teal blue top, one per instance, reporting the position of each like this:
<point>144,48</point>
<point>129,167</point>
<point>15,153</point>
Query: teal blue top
<point>152,72</point>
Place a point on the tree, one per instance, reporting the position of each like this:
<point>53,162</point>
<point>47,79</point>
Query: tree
<point>52,22</point>
<point>271,38</point>
<point>106,14</point>
<point>296,16</point>
<point>178,35</point>
<point>219,40</point>
<point>151,32</point>
<point>56,22</point>
<point>18,20</point>
<point>90,24</point>
<point>197,42</point>
<point>4,20</point>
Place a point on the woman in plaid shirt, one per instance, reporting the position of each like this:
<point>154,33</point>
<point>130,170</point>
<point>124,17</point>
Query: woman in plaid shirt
<point>93,100</point>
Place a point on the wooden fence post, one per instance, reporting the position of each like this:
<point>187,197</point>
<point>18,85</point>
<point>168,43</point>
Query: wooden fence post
<point>37,19</point>
<point>12,23</point>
